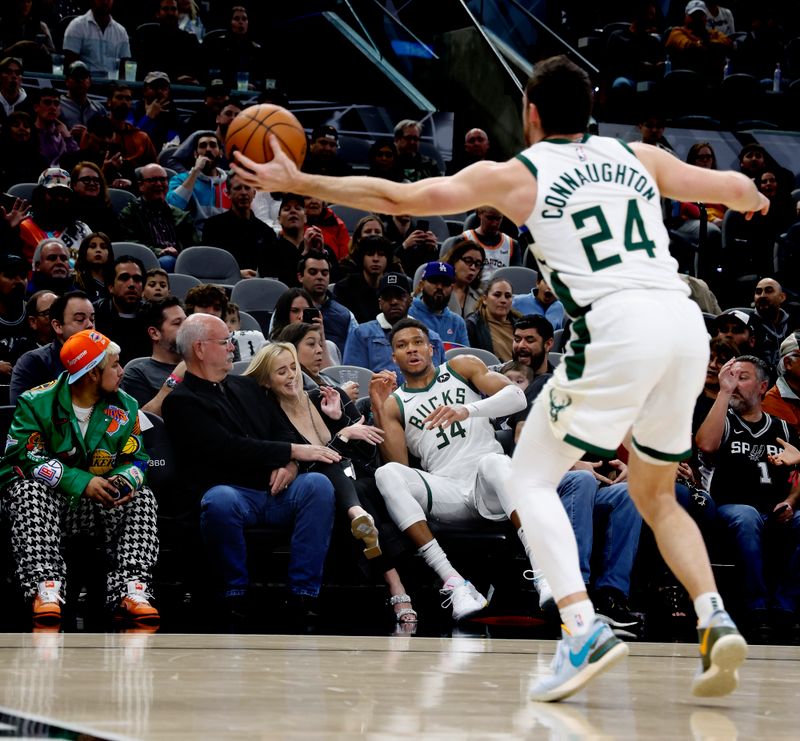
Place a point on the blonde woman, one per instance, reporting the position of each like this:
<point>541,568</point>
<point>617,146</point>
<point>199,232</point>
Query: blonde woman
<point>326,417</point>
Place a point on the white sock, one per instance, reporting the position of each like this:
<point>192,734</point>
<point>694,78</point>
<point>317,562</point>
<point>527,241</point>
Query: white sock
<point>527,546</point>
<point>435,558</point>
<point>578,617</point>
<point>705,605</point>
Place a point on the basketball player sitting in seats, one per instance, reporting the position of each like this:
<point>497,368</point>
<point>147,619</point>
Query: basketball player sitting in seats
<point>756,502</point>
<point>439,416</point>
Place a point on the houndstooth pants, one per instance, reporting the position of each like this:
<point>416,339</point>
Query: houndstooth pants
<point>39,516</point>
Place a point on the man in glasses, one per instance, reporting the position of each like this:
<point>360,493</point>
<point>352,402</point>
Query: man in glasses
<point>119,316</point>
<point>51,270</point>
<point>415,166</point>
<point>54,137</point>
<point>150,220</point>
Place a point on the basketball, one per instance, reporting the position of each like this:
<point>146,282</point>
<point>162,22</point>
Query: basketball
<point>248,133</point>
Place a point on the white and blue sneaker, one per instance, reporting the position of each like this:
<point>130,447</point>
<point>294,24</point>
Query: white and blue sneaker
<point>722,652</point>
<point>577,660</point>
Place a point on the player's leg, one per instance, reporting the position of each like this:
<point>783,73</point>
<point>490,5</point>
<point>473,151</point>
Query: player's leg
<point>409,493</point>
<point>540,461</point>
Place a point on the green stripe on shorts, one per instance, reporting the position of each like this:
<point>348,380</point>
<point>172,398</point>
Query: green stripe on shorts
<point>659,456</point>
<point>576,360</point>
<point>589,448</point>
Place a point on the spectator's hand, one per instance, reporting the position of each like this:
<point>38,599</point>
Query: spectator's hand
<point>783,512</point>
<point>62,129</point>
<point>789,456</point>
<point>416,237</point>
<point>430,239</point>
<point>331,402</point>
<point>5,368</point>
<point>360,431</point>
<point>621,471</point>
<point>102,491</point>
<point>446,415</point>
<point>728,377</point>
<point>685,472</point>
<point>313,239</point>
<point>280,478</point>
<point>122,183</point>
<point>152,109</point>
<point>113,160</point>
<point>314,453</point>
<point>200,163</point>
<point>169,251</point>
<point>118,481</point>
<point>247,273</point>
<point>381,386</point>
<point>351,388</point>
<point>320,325</point>
<point>17,213</point>
<point>77,131</point>
<point>592,467</point>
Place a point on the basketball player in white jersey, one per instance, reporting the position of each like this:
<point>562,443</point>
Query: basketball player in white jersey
<point>635,363</point>
<point>438,415</point>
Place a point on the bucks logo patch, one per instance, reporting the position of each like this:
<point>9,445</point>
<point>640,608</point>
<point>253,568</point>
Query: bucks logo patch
<point>558,402</point>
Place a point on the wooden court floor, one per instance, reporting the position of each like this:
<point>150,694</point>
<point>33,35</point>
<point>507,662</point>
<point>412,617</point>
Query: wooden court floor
<point>135,686</point>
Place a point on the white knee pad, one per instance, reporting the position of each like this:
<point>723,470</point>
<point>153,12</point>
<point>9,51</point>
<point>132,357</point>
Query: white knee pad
<point>404,492</point>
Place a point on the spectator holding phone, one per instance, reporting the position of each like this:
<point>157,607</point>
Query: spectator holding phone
<point>295,306</point>
<point>755,497</point>
<point>415,244</point>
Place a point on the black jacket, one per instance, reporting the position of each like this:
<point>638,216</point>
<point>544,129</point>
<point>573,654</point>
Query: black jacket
<point>225,433</point>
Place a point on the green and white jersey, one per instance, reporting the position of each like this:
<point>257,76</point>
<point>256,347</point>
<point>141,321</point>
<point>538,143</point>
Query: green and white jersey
<point>597,221</point>
<point>453,451</point>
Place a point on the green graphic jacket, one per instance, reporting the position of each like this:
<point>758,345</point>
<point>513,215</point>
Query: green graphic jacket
<point>45,443</point>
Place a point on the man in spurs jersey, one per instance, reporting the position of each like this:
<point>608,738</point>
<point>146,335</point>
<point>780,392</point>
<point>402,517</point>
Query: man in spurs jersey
<point>438,416</point>
<point>638,353</point>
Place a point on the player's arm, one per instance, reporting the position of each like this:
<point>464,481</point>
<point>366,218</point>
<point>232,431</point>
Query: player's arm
<point>685,182</point>
<point>393,449</point>
<point>507,186</point>
<point>502,396</point>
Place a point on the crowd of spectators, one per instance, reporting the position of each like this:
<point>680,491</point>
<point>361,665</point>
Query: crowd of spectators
<point>64,269</point>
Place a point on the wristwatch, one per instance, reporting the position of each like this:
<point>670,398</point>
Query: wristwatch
<point>172,381</point>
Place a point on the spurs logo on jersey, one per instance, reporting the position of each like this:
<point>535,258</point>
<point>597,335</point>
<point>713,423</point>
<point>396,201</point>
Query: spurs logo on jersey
<point>452,450</point>
<point>612,243</point>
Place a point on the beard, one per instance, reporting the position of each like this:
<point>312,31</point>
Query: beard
<point>436,302</point>
<point>741,405</point>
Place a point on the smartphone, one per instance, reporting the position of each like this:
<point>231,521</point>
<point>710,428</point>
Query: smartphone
<point>309,315</point>
<point>775,514</point>
<point>423,225</point>
<point>122,486</point>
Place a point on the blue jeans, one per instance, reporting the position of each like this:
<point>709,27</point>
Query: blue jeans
<point>306,508</point>
<point>167,262</point>
<point>751,531</point>
<point>583,498</point>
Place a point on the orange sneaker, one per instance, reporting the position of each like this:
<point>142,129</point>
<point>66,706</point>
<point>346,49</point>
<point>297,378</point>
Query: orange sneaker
<point>47,602</point>
<point>134,606</point>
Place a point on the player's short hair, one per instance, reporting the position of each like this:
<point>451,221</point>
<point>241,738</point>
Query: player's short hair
<point>408,323</point>
<point>562,93</point>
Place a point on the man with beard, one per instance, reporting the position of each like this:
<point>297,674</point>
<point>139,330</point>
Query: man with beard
<point>368,344</point>
<point>431,306</point>
<point>783,399</point>
<point>51,269</point>
<point>238,231</point>
<point>119,315</point>
<point>542,301</point>
<point>150,380</point>
<point>150,220</point>
<point>314,275</point>
<point>13,273</point>
<point>756,501</point>
<point>52,215</point>
<point>415,166</point>
<point>135,145</point>
<point>202,191</point>
<point>439,416</point>
<point>69,314</point>
<point>774,321</point>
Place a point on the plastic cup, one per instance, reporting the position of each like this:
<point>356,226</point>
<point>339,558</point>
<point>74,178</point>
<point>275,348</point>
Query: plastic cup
<point>113,73</point>
<point>58,64</point>
<point>242,81</point>
<point>130,70</point>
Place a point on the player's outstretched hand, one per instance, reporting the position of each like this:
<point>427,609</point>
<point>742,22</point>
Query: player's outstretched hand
<point>446,415</point>
<point>276,175</point>
<point>789,456</point>
<point>761,209</point>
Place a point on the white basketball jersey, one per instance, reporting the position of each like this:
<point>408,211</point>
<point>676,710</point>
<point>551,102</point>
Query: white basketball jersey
<point>453,451</point>
<point>498,256</point>
<point>597,221</point>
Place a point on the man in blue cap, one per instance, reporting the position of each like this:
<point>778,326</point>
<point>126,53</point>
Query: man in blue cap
<point>430,307</point>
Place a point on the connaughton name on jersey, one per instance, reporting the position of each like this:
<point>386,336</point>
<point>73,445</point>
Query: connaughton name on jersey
<point>558,195</point>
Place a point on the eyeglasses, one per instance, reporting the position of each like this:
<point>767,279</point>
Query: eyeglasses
<point>472,262</point>
<point>222,343</point>
<point>89,180</point>
<point>44,314</point>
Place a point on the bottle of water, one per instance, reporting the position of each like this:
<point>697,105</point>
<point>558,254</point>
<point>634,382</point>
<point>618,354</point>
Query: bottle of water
<point>728,67</point>
<point>776,79</point>
<point>667,65</point>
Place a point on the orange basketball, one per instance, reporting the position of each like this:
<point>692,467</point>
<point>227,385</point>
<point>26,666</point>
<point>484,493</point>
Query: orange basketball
<point>248,134</point>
